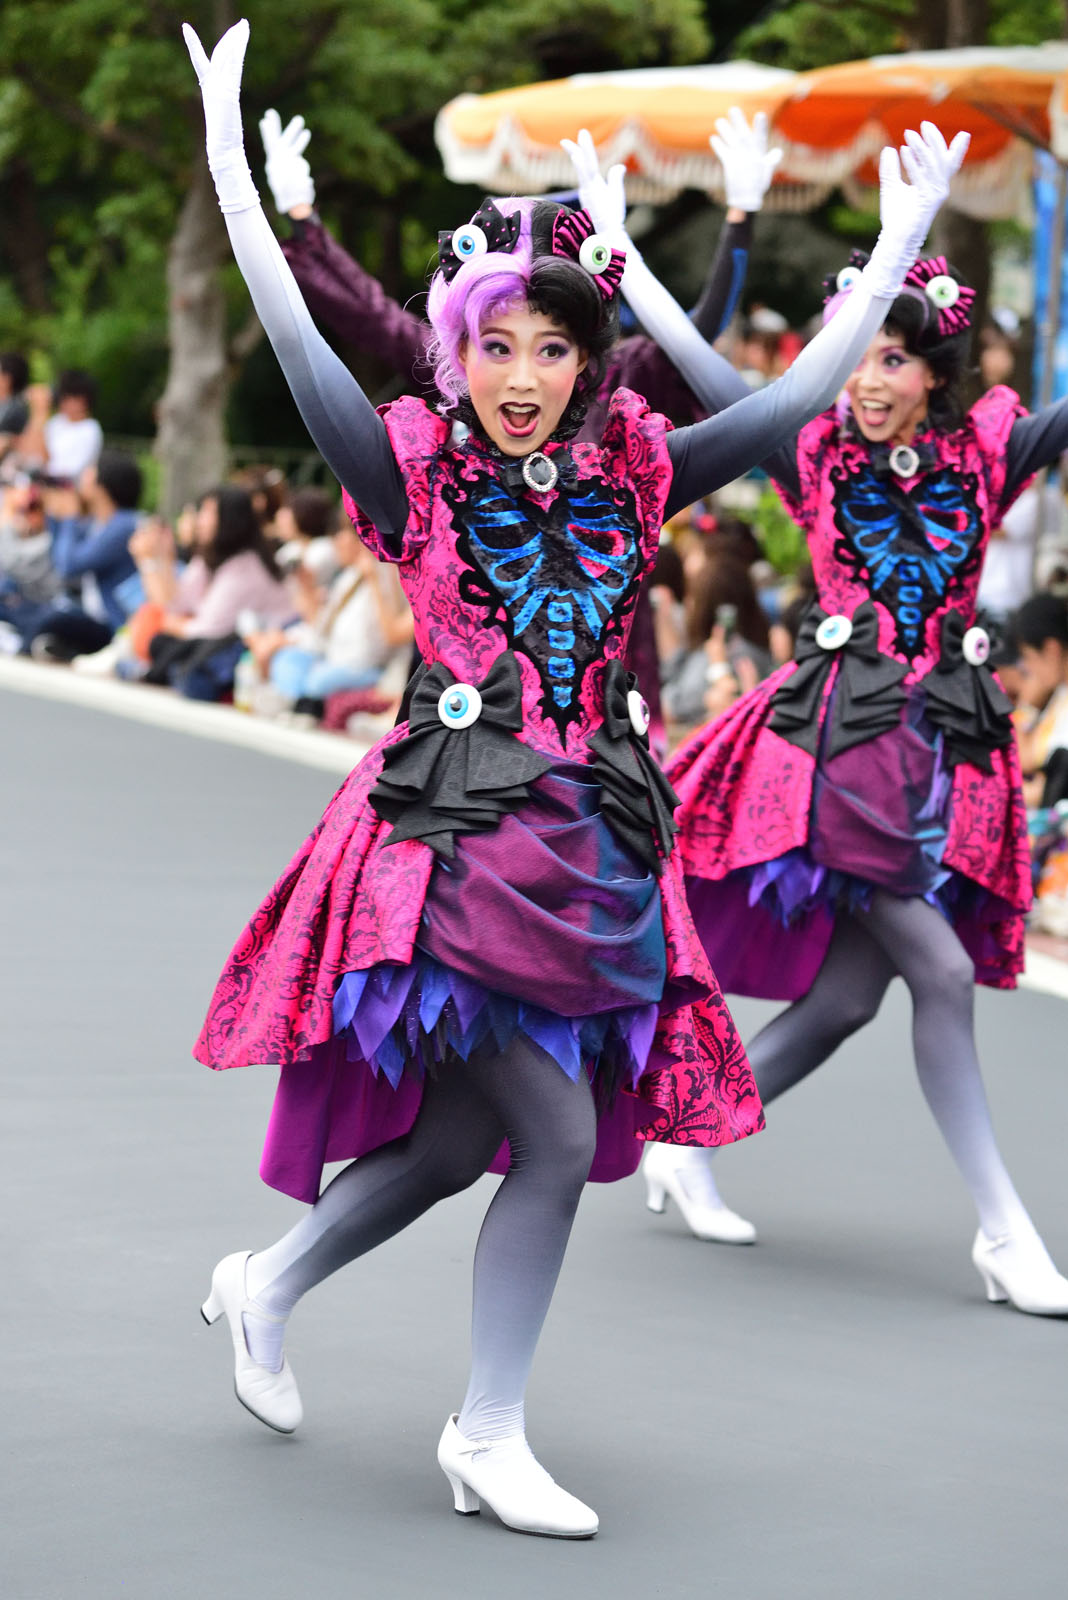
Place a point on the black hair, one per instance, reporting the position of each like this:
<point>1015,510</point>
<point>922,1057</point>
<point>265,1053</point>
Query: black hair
<point>313,511</point>
<point>76,384</point>
<point>238,529</point>
<point>16,368</point>
<point>563,290</point>
<point>668,572</point>
<point>1042,617</point>
<point>727,581</point>
<point>119,476</point>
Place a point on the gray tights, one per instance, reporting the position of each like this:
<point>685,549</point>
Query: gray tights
<point>522,1096</point>
<point>910,938</point>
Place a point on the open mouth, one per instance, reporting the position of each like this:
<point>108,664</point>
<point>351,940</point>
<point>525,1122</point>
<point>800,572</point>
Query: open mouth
<point>519,421</point>
<point>872,414</point>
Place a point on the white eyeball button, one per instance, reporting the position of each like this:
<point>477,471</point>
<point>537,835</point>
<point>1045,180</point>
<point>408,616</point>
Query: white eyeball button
<point>459,705</point>
<point>834,632</point>
<point>976,647</point>
<point>943,291</point>
<point>595,254</point>
<point>638,712</point>
<point>469,242</point>
<point>848,278</point>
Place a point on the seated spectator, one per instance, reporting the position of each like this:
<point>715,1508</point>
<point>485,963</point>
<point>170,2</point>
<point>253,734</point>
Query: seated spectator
<point>1040,627</point>
<point>27,576</point>
<point>14,412</point>
<point>70,439</point>
<point>269,491</point>
<point>304,525</point>
<point>350,635</point>
<point>191,618</point>
<point>728,642</point>
<point>91,530</point>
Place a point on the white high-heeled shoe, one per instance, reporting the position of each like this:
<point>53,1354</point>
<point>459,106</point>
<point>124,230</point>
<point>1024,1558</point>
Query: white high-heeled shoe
<point>1034,1285</point>
<point>666,1169</point>
<point>505,1474</point>
<point>270,1396</point>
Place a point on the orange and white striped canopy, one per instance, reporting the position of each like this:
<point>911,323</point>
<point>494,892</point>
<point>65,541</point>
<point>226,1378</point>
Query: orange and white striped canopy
<point>831,123</point>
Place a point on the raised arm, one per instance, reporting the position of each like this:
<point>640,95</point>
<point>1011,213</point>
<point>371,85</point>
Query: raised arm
<point>339,291</point>
<point>758,424</point>
<point>748,168</point>
<point>345,427</point>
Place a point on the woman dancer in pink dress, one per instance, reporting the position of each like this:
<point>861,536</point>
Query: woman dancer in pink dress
<point>859,814</point>
<point>484,945</point>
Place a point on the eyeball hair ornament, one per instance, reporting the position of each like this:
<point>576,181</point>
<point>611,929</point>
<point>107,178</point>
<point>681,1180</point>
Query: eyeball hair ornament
<point>489,230</point>
<point>947,302</point>
<point>952,301</point>
<point>575,237</point>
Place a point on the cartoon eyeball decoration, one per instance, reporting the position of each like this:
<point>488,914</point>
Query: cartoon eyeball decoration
<point>459,705</point>
<point>976,647</point>
<point>638,711</point>
<point>469,242</point>
<point>943,291</point>
<point>847,279</point>
<point>834,633</point>
<point>595,254</point>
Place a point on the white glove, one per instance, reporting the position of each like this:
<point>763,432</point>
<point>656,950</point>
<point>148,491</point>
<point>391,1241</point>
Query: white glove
<point>220,86</point>
<point>748,164</point>
<point>603,198</point>
<point>907,210</point>
<point>288,173</point>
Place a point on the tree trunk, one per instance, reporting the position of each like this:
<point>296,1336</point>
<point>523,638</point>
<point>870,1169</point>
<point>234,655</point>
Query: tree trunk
<point>191,439</point>
<point>25,239</point>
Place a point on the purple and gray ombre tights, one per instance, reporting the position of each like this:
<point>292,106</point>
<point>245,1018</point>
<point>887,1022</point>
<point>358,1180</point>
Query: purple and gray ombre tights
<point>549,1121</point>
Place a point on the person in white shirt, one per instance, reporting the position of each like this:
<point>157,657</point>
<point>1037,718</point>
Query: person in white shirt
<point>73,438</point>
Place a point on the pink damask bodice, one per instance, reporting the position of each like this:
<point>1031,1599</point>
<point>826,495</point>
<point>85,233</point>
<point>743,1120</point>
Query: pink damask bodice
<point>918,560</point>
<point>490,565</point>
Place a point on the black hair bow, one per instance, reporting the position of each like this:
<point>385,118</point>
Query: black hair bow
<point>442,780</point>
<point>637,801</point>
<point>868,698</point>
<point>501,233</point>
<point>966,702</point>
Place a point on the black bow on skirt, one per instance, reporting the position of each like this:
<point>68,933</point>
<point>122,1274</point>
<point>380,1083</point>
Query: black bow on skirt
<point>868,694</point>
<point>966,702</point>
<point>441,780</point>
<point>637,801</point>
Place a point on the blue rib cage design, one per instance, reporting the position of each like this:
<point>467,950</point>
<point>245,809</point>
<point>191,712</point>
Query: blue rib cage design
<point>562,574</point>
<point>910,579</point>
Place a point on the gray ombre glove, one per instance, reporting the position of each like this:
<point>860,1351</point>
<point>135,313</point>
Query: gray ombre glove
<point>220,88</point>
<point>748,165</point>
<point>288,172</point>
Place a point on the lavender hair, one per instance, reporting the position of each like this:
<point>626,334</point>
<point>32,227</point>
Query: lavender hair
<point>531,277</point>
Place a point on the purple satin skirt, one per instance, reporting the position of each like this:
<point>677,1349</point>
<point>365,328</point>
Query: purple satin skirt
<point>546,927</point>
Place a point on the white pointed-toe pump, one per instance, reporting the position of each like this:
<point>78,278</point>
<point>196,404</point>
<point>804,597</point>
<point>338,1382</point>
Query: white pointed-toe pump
<point>270,1396</point>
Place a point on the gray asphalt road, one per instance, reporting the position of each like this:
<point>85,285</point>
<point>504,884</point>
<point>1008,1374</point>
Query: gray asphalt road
<point>834,1413</point>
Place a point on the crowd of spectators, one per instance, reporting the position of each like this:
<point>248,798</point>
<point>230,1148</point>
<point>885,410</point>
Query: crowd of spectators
<point>257,594</point>
<point>262,595</point>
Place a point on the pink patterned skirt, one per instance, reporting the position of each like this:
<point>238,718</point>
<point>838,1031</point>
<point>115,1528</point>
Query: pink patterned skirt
<point>371,964</point>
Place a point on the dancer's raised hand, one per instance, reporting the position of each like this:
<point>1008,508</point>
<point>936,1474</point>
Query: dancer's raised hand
<point>748,165</point>
<point>220,88</point>
<point>906,210</point>
<point>288,172</point>
<point>602,197</point>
